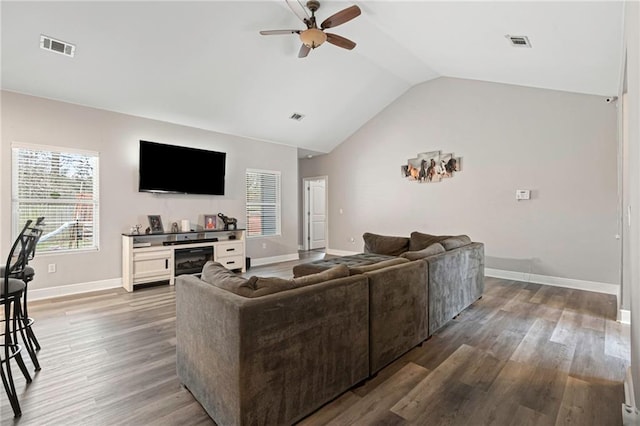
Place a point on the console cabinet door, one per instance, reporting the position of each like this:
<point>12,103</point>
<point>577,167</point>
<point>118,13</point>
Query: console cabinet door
<point>151,266</point>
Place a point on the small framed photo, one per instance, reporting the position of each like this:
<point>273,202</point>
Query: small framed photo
<point>209,221</point>
<point>155,223</point>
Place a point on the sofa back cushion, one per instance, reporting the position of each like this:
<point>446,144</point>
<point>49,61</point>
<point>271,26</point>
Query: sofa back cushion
<point>383,244</point>
<point>455,242</point>
<point>432,250</point>
<point>216,274</point>
<point>356,270</point>
<point>419,241</point>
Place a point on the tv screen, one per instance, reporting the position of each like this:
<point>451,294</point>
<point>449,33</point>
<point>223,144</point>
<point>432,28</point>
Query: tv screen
<point>178,169</point>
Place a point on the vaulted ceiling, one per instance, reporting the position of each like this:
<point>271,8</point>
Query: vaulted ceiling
<point>204,64</point>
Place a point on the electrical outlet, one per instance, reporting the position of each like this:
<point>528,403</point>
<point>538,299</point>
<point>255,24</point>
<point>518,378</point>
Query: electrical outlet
<point>523,194</point>
<point>264,245</point>
<point>52,267</point>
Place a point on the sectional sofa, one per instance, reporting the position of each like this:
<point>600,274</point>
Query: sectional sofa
<point>271,350</point>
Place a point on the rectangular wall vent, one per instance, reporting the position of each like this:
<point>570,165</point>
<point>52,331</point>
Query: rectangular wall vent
<point>57,46</point>
<point>519,41</point>
<point>296,116</point>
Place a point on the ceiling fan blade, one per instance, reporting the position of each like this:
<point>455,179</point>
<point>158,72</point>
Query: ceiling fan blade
<point>277,32</point>
<point>304,51</point>
<point>298,9</point>
<point>341,17</point>
<point>340,41</point>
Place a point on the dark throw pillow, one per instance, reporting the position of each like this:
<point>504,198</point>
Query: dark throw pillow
<point>421,241</point>
<point>383,244</point>
<point>356,270</point>
<point>455,242</point>
<point>432,250</point>
<point>216,274</point>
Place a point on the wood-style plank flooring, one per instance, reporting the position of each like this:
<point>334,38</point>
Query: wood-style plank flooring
<point>525,354</point>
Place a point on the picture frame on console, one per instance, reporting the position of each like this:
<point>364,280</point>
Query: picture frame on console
<point>209,221</point>
<point>155,223</point>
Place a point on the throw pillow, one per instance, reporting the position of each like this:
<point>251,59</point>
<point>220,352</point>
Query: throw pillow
<point>261,286</point>
<point>338,271</point>
<point>356,270</point>
<point>433,249</point>
<point>383,244</point>
<point>455,242</point>
<point>421,241</point>
<point>216,274</point>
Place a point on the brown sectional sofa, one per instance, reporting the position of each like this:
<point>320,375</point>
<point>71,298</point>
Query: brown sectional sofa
<point>271,351</point>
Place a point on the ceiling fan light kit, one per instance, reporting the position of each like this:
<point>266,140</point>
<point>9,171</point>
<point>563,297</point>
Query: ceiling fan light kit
<point>313,36</point>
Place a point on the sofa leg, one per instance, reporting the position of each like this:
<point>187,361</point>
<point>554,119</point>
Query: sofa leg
<point>362,382</point>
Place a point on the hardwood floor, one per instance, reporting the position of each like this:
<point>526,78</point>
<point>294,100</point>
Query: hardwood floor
<point>523,354</point>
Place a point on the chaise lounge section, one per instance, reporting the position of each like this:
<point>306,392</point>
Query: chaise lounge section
<point>267,350</point>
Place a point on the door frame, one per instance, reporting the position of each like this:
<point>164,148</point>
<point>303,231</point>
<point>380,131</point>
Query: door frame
<point>306,213</point>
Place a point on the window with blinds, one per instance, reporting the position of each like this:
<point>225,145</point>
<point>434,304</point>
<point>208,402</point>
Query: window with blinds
<point>62,186</point>
<point>263,203</point>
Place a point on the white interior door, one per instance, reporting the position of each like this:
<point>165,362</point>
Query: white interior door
<point>316,213</point>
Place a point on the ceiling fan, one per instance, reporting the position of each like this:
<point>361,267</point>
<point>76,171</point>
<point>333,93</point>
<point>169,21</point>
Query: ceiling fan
<point>313,36</point>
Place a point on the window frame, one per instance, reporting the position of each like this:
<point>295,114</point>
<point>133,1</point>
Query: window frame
<point>277,204</point>
<point>94,202</point>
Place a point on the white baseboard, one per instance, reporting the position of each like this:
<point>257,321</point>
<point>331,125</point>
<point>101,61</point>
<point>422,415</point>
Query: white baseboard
<point>625,316</point>
<point>554,281</point>
<point>274,259</point>
<point>630,414</point>
<point>68,290</point>
<point>334,252</point>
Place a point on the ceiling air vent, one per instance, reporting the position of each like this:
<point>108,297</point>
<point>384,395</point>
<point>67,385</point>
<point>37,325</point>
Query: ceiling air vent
<point>296,116</point>
<point>57,46</point>
<point>519,41</point>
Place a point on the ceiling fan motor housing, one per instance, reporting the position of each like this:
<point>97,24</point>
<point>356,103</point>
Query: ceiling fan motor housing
<point>313,5</point>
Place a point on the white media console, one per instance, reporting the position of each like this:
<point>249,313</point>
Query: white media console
<point>148,258</point>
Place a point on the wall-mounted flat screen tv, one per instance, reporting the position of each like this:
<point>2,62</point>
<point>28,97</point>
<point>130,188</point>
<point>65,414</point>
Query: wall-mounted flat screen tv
<point>178,169</point>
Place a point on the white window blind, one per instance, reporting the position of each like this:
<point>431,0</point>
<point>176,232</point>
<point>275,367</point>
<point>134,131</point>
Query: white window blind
<point>62,186</point>
<point>263,203</point>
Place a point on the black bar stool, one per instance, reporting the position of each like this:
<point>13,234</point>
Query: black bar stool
<point>27,274</point>
<point>11,292</point>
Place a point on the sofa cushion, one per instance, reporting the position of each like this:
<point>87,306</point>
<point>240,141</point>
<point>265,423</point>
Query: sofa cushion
<point>351,261</point>
<point>216,274</point>
<point>261,286</point>
<point>433,249</point>
<point>383,244</point>
<point>338,271</point>
<point>356,270</point>
<point>419,241</point>
<point>455,242</point>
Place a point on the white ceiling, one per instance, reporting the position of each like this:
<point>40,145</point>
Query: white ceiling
<point>203,64</point>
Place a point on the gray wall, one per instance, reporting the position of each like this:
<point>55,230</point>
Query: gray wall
<point>115,136</point>
<point>561,146</point>
<point>632,44</point>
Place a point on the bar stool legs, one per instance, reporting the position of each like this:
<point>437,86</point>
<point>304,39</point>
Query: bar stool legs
<point>25,328</point>
<point>12,350</point>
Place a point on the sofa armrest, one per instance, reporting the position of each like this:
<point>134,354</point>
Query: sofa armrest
<point>207,345</point>
<point>456,280</point>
